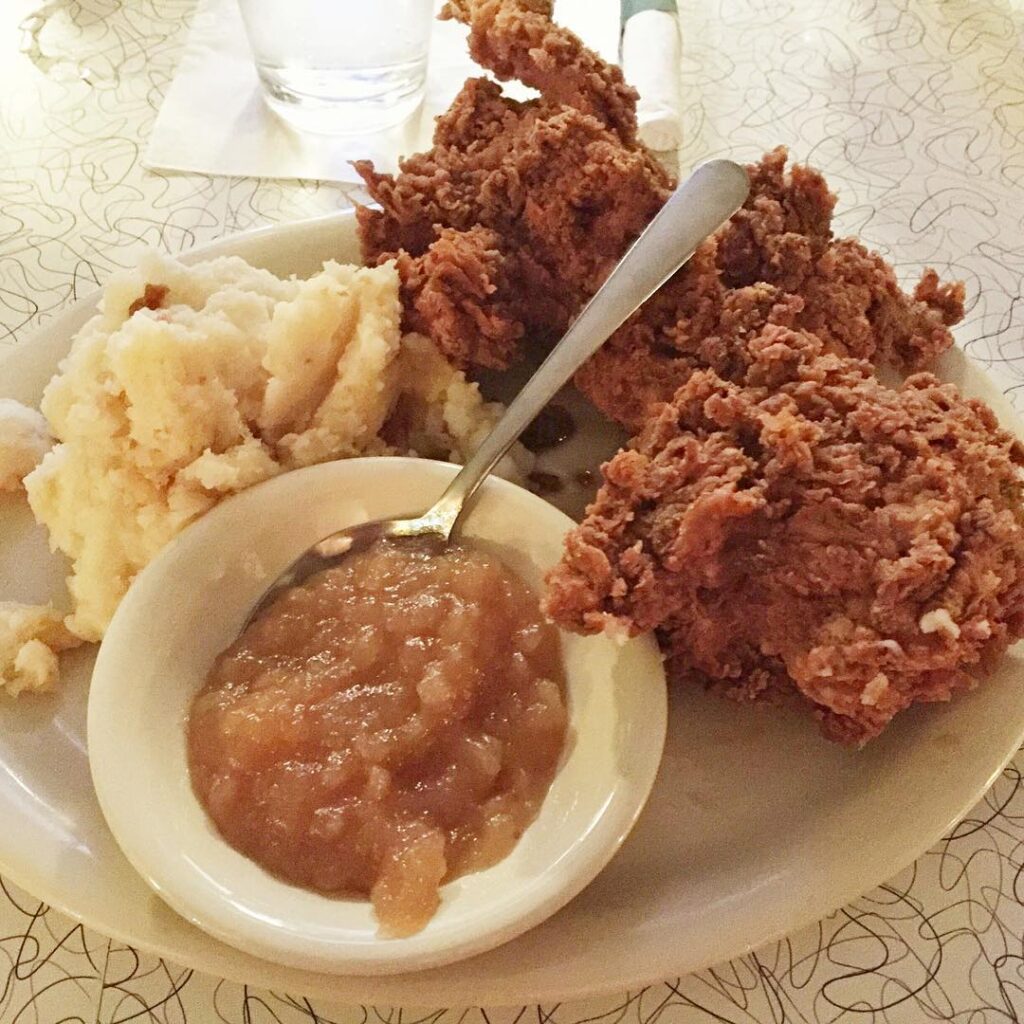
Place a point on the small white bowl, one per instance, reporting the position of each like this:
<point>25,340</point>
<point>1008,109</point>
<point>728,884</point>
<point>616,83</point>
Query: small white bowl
<point>188,605</point>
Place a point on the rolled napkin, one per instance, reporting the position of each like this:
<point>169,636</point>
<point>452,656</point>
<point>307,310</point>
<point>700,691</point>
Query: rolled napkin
<point>650,63</point>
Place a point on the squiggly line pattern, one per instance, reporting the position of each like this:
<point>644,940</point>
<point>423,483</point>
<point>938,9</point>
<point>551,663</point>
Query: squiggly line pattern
<point>914,110</point>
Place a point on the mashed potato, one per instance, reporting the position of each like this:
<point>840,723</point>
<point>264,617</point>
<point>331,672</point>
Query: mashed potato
<point>31,636</point>
<point>24,440</point>
<point>192,383</point>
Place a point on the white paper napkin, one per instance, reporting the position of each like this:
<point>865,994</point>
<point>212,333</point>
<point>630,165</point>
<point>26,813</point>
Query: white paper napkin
<point>213,120</point>
<point>650,62</point>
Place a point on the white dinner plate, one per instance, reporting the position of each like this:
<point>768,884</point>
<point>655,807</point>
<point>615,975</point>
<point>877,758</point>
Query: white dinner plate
<point>756,825</point>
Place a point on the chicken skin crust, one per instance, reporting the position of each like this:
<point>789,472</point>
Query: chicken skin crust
<point>775,262</point>
<point>809,535</point>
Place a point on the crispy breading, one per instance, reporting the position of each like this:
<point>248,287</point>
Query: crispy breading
<point>808,531</point>
<point>517,39</point>
<point>559,191</point>
<point>776,261</point>
<point>461,293</point>
<point>792,529</point>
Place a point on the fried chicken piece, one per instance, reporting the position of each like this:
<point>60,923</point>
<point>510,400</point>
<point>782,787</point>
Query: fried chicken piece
<point>775,262</point>
<point>559,190</point>
<point>517,39</point>
<point>809,532</point>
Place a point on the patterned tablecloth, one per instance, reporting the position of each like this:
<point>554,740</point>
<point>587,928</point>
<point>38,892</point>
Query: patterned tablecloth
<point>914,110</point>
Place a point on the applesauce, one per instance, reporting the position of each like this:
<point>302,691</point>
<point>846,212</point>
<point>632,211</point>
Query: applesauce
<point>390,724</point>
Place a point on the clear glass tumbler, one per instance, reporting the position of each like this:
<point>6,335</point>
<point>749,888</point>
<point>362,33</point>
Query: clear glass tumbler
<point>340,66</point>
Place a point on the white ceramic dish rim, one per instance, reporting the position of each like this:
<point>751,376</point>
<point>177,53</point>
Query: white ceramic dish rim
<point>738,935</point>
<point>220,890</point>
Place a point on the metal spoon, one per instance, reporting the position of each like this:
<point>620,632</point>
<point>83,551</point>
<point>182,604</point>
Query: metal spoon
<point>698,207</point>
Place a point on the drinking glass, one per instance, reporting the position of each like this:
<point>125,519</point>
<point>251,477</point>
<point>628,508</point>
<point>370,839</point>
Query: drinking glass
<point>340,66</point>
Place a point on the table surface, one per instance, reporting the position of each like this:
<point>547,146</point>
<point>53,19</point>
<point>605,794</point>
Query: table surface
<point>915,111</point>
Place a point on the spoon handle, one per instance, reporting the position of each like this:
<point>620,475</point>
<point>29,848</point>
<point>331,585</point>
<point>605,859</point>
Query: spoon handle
<point>698,207</point>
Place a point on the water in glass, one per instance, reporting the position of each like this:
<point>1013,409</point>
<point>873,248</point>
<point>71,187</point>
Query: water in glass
<point>340,65</point>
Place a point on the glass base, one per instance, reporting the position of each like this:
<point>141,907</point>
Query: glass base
<point>344,102</point>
